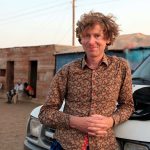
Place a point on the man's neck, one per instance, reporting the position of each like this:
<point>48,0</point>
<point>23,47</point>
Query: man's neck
<point>93,62</point>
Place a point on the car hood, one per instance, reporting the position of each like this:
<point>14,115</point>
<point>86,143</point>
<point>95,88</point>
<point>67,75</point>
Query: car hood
<point>134,130</point>
<point>131,129</point>
<point>136,87</point>
<point>35,112</point>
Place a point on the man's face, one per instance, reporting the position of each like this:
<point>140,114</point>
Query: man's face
<point>93,41</point>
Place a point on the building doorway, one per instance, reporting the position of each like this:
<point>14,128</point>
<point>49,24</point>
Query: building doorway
<point>10,75</point>
<point>33,76</point>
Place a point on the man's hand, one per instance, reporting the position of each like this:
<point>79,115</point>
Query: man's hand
<point>95,125</point>
<point>99,125</point>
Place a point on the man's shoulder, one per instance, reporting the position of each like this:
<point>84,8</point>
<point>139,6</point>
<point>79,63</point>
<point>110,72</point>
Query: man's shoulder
<point>74,63</point>
<point>71,65</point>
<point>116,59</point>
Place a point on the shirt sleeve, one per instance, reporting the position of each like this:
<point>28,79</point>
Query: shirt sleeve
<point>49,113</point>
<point>125,101</point>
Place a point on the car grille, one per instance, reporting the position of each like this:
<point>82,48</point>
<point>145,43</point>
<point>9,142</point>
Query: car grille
<point>47,135</point>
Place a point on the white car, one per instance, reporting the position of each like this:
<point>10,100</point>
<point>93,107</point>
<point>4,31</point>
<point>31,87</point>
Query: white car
<point>134,134</point>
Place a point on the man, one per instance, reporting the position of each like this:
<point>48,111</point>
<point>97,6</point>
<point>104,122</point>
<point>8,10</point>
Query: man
<point>92,87</point>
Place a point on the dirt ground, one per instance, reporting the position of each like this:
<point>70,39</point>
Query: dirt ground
<point>13,120</point>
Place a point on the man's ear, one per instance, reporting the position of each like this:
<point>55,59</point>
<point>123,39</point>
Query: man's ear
<point>80,41</point>
<point>108,42</point>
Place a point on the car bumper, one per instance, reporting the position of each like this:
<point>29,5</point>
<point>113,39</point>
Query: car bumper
<point>30,146</point>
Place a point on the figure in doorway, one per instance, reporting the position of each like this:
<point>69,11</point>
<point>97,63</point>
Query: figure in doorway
<point>29,90</point>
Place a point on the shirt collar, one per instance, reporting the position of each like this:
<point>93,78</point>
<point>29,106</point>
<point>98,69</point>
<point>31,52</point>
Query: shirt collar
<point>104,61</point>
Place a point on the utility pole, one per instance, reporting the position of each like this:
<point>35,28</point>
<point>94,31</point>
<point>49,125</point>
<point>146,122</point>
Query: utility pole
<point>73,22</point>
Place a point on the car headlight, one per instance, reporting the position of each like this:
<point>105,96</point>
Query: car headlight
<point>134,146</point>
<point>35,127</point>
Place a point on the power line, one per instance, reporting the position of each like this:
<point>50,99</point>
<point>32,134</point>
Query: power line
<point>83,3</point>
<point>60,19</point>
<point>48,9</point>
<point>65,34</point>
<point>66,29</point>
<point>31,12</point>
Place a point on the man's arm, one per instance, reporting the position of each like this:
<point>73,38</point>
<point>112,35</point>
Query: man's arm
<point>95,125</point>
<point>125,99</point>
<point>49,113</point>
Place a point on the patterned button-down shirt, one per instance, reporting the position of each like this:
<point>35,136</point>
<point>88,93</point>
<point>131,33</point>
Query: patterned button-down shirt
<point>106,91</point>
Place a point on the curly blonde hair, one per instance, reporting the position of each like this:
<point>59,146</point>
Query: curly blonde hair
<point>110,28</point>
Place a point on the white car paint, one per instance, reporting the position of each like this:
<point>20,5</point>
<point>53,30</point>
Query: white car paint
<point>134,130</point>
<point>131,129</point>
<point>136,87</point>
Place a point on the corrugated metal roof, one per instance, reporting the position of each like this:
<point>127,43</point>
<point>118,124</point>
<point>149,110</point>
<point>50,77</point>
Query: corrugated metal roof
<point>69,50</point>
<point>80,49</point>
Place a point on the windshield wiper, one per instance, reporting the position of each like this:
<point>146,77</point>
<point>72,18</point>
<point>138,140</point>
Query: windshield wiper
<point>141,79</point>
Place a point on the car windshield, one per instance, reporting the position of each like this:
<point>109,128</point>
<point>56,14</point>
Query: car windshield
<point>142,73</point>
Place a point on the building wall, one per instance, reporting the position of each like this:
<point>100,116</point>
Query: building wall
<point>22,56</point>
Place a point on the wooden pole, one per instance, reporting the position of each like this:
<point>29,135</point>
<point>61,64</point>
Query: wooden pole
<point>73,22</point>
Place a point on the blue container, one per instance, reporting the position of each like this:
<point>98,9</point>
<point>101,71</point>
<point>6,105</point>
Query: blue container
<point>134,56</point>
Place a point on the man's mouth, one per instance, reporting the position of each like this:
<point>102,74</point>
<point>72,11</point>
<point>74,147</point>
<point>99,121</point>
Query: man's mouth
<point>92,48</point>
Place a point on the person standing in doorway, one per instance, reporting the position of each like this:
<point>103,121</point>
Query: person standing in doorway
<point>16,88</point>
<point>97,90</point>
<point>30,90</point>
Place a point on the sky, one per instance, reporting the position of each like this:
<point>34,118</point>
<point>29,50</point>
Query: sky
<point>45,22</point>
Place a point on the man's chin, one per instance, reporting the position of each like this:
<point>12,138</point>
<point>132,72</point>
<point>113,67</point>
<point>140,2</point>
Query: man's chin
<point>93,55</point>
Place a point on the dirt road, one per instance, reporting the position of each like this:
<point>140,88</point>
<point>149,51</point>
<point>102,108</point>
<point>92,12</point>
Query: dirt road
<point>13,119</point>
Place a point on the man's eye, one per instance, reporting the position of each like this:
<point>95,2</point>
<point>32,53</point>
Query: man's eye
<point>87,36</point>
<point>97,35</point>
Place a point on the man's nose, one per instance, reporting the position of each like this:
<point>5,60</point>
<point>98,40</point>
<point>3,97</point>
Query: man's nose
<point>91,40</point>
